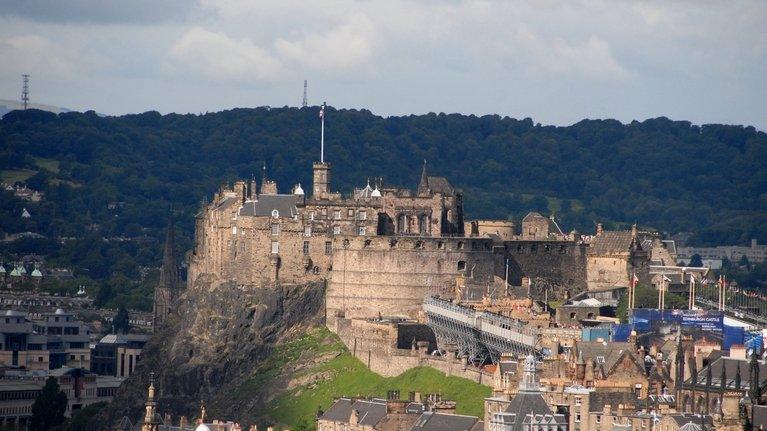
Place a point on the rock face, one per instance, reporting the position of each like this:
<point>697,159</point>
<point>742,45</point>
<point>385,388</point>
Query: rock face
<point>217,340</point>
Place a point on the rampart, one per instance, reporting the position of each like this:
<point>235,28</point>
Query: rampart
<point>390,276</point>
<point>556,266</point>
<point>379,345</point>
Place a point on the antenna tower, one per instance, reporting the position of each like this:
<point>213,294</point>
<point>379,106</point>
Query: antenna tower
<point>25,91</point>
<point>305,103</point>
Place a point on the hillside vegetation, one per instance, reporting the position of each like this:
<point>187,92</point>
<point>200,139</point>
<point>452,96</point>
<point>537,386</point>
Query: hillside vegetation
<point>673,176</point>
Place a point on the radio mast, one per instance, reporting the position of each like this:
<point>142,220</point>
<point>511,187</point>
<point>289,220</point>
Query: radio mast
<point>305,103</point>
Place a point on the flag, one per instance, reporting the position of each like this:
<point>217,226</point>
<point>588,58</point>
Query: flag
<point>635,279</point>
<point>322,111</point>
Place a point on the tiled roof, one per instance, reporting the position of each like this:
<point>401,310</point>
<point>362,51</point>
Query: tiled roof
<point>368,412</point>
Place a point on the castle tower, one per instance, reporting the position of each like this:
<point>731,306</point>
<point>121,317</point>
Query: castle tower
<point>151,421</point>
<point>320,180</point>
<point>167,291</point>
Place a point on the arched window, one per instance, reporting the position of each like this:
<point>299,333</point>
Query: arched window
<point>275,213</point>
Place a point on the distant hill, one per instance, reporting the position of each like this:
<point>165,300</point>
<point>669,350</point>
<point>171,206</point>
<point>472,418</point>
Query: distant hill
<point>7,106</point>
<point>118,176</point>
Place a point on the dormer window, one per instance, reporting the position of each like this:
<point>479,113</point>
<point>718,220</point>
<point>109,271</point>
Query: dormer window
<point>275,213</point>
<point>275,229</point>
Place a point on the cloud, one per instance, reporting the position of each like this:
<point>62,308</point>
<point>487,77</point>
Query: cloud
<point>98,11</point>
<point>33,53</point>
<point>344,47</point>
<point>217,55</point>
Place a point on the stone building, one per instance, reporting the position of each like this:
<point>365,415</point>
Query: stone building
<point>527,410</point>
<point>613,256</point>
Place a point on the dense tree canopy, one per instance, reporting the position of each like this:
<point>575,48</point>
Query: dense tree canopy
<point>116,177</point>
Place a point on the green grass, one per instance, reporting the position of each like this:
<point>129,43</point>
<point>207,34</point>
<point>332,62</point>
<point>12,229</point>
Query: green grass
<point>345,375</point>
<point>16,175</point>
<point>48,164</point>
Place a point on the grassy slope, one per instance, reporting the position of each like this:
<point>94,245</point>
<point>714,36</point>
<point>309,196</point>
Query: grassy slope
<point>337,373</point>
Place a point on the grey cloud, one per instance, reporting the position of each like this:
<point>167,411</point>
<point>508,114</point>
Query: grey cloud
<point>98,11</point>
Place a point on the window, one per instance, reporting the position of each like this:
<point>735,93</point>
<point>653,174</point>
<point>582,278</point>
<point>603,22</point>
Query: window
<point>234,230</point>
<point>599,419</point>
<point>324,211</point>
<point>460,245</point>
<point>336,230</point>
<point>275,213</point>
<point>577,401</point>
<point>328,247</point>
<point>311,215</point>
<point>361,230</point>
<point>461,265</point>
<point>306,247</point>
<point>350,212</point>
<point>337,215</point>
<point>307,231</point>
<point>275,247</point>
<point>600,359</point>
<point>362,215</point>
<point>275,229</point>
<point>577,417</point>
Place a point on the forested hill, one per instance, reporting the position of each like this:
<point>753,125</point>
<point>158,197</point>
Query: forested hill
<point>669,175</point>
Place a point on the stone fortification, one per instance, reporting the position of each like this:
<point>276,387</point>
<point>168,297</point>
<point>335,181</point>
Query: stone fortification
<point>390,276</point>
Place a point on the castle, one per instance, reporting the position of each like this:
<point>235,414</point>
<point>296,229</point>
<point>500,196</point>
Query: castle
<point>381,250</point>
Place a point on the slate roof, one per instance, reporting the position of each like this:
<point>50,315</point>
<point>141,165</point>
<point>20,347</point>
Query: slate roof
<point>369,412</point>
<point>611,241</point>
<point>760,417</point>
<point>691,422</point>
<point>731,365</point>
<point>524,404</point>
<point>284,204</point>
<point>612,352</point>
<point>441,185</point>
<point>430,421</point>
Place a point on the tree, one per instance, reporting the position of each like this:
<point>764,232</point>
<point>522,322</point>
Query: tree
<point>121,322</point>
<point>696,261</point>
<point>744,262</point>
<point>49,407</point>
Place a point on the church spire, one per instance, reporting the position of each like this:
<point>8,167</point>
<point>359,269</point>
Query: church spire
<point>169,272</point>
<point>423,186</point>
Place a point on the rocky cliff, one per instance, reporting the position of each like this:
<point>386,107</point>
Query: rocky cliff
<point>217,341</point>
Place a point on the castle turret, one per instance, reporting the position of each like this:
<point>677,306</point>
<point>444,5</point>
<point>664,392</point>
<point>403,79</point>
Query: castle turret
<point>320,180</point>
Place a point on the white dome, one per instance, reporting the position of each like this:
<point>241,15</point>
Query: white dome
<point>375,193</point>
<point>298,190</point>
<point>202,427</point>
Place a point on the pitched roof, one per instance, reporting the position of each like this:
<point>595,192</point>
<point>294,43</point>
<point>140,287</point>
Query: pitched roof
<point>441,185</point>
<point>691,422</point>
<point>523,404</point>
<point>611,241</point>
<point>430,421</point>
<point>731,366</point>
<point>284,204</point>
<point>611,352</point>
<point>369,412</point>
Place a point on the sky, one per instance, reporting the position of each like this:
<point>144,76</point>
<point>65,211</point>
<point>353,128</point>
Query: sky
<point>556,62</point>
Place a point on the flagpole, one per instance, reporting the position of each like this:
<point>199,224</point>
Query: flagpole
<point>322,134</point>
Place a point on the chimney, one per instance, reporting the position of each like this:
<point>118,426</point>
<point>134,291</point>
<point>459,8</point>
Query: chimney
<point>599,229</point>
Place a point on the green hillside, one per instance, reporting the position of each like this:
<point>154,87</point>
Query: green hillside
<point>320,368</point>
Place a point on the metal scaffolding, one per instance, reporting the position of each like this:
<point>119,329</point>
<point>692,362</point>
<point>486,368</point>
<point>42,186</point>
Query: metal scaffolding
<point>477,335</point>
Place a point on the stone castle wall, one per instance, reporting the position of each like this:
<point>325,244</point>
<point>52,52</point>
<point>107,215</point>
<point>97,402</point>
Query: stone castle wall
<point>559,266</point>
<point>390,276</point>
